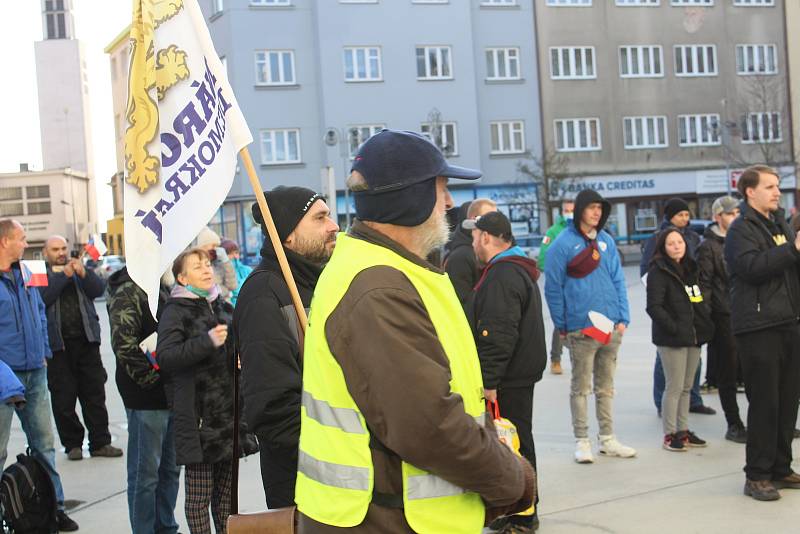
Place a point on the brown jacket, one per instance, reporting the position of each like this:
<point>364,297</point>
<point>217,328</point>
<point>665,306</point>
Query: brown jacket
<point>398,374</point>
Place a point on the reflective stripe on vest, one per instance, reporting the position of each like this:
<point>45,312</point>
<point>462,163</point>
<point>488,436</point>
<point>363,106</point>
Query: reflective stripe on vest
<point>431,486</point>
<point>323,413</point>
<point>330,474</point>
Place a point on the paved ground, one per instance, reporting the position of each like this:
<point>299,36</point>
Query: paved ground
<point>659,491</point>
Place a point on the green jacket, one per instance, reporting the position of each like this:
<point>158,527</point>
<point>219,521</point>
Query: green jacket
<point>550,236</point>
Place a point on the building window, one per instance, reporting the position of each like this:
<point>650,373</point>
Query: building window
<point>275,67</point>
<point>430,1</point>
<point>698,130</point>
<point>280,146</point>
<point>695,60</point>
<point>764,127</point>
<point>498,2</point>
<point>626,3</point>
<point>572,63</point>
<point>753,3</point>
<point>270,3</point>
<point>358,1</point>
<point>577,135</point>
<point>692,2</point>
<point>217,6</point>
<point>508,137</point>
<point>8,209</point>
<point>434,63</point>
<point>10,193</point>
<point>756,59</point>
<point>447,137</point>
<point>55,19</point>
<point>645,132</point>
<point>39,208</point>
<point>362,64</point>
<point>356,135</point>
<point>502,64</point>
<point>641,61</point>
<point>569,3</point>
<point>37,191</point>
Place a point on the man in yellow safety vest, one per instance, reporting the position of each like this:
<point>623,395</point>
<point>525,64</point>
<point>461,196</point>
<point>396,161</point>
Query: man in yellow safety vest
<point>394,434</point>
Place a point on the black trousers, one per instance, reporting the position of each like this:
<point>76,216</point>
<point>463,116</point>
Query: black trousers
<point>771,366</point>
<point>77,374</point>
<point>722,351</point>
<point>278,474</point>
<point>516,405</point>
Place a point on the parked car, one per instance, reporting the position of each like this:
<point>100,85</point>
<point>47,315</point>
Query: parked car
<point>699,225</point>
<point>108,265</point>
<point>530,243</point>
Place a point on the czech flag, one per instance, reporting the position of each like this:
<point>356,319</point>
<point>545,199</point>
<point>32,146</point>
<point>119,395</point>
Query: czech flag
<point>95,247</point>
<point>601,328</point>
<point>148,346</point>
<point>34,273</point>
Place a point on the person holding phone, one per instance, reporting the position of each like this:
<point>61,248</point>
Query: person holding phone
<point>196,355</point>
<point>224,271</point>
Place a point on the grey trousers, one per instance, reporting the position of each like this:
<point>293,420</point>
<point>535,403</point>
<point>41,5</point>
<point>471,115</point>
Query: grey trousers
<point>592,362</point>
<point>555,346</point>
<point>680,364</point>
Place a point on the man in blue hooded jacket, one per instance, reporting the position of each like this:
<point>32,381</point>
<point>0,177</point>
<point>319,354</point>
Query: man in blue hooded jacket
<point>584,278</point>
<point>24,347</point>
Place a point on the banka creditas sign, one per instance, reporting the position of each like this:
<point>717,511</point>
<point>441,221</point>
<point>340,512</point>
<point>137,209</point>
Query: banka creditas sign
<point>626,186</point>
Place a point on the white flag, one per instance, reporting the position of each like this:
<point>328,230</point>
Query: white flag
<point>183,135</point>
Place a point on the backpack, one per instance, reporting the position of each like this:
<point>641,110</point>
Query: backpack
<point>28,497</point>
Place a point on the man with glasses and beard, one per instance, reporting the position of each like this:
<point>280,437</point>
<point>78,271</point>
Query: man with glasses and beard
<point>266,330</point>
<point>394,434</point>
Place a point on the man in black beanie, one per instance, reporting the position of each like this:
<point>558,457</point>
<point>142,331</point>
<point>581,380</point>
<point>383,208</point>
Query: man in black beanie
<point>267,336</point>
<point>677,214</point>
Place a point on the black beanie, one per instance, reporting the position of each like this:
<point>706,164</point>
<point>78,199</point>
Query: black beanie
<point>288,206</point>
<point>673,207</point>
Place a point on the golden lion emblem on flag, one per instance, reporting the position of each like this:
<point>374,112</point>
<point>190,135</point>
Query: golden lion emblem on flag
<point>149,69</point>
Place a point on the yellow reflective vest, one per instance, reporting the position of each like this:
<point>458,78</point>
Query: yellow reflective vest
<point>335,475</point>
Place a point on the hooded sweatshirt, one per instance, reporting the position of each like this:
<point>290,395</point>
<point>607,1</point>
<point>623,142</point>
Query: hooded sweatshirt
<point>507,321</point>
<point>603,290</point>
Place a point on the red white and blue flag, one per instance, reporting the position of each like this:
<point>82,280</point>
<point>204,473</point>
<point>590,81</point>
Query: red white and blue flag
<point>34,273</point>
<point>95,247</point>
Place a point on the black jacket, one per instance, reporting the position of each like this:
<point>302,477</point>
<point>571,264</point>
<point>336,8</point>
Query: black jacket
<point>199,377</point>
<point>677,322</point>
<point>266,328</point>
<point>461,264</point>
<point>765,289</point>
<point>507,318</point>
<point>88,288</point>
<point>713,272</point>
<point>689,235</point>
<point>139,383</point>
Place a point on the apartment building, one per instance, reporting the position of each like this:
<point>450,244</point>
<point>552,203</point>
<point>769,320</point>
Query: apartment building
<point>650,99</point>
<point>316,79</point>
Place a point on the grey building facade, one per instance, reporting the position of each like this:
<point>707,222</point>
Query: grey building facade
<point>317,78</point>
<point>651,99</point>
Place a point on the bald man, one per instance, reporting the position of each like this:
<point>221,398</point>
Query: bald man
<point>76,371</point>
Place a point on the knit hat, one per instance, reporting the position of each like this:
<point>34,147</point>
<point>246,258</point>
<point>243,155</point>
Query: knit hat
<point>207,236</point>
<point>673,207</point>
<point>724,204</point>
<point>288,205</point>
<point>399,169</point>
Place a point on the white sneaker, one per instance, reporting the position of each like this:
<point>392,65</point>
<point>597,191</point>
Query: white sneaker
<point>611,447</point>
<point>583,451</point>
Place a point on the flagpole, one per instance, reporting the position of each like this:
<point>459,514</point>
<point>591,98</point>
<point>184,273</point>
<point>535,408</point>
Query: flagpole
<point>273,236</point>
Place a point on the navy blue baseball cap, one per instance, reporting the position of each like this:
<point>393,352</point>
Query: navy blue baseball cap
<point>400,169</point>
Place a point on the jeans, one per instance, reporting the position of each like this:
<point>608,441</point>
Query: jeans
<point>679,364</point>
<point>658,385</point>
<point>591,359</point>
<point>153,476</point>
<point>36,423</point>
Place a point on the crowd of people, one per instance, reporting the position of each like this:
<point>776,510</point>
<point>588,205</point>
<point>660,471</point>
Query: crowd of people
<point>374,418</point>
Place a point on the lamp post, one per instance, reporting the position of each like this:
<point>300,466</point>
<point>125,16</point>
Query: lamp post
<point>336,136</point>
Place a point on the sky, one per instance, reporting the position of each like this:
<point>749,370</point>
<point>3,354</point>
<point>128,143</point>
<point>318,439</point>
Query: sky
<point>97,22</point>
